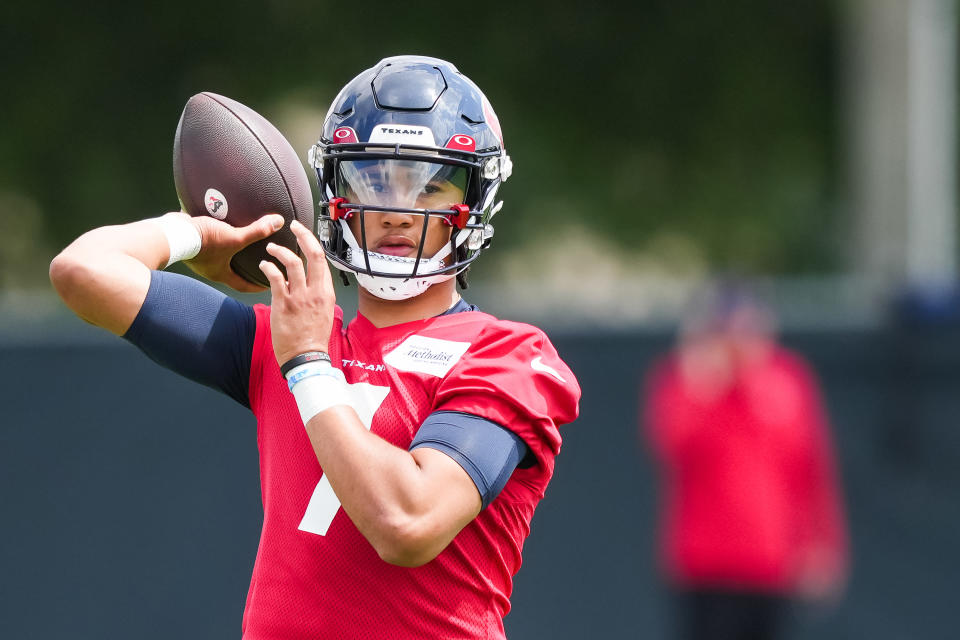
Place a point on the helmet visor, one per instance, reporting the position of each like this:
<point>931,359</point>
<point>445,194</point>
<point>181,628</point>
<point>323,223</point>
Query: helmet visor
<point>405,184</point>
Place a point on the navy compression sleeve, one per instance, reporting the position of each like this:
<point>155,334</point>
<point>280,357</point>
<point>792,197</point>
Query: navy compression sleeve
<point>486,451</point>
<point>198,332</point>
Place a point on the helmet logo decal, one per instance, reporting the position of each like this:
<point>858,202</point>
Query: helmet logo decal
<point>403,134</point>
<point>432,356</point>
<point>462,142</point>
<point>215,203</point>
<point>344,135</point>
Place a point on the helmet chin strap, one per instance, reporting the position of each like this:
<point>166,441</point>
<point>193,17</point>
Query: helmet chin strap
<point>387,288</point>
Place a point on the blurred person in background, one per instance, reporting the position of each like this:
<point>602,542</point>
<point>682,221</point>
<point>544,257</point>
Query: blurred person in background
<point>751,510</point>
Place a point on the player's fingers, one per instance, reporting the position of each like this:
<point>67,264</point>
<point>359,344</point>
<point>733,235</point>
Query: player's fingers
<point>296,276</point>
<point>305,238</point>
<point>261,228</point>
<point>278,286</point>
<point>312,250</point>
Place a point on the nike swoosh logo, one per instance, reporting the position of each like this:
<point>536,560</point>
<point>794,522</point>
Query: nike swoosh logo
<point>537,365</point>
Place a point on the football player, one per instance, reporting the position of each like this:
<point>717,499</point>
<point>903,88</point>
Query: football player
<point>402,454</point>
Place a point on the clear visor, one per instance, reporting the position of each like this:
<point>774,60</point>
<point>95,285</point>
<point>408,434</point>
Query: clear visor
<point>405,184</point>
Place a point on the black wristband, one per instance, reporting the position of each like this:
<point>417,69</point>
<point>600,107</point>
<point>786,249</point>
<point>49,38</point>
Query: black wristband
<point>303,358</point>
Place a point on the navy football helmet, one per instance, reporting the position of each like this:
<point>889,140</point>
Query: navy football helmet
<point>393,134</point>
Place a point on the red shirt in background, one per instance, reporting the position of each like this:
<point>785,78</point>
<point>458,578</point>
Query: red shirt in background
<point>749,494</point>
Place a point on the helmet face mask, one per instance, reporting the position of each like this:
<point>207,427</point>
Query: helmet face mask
<point>411,136</point>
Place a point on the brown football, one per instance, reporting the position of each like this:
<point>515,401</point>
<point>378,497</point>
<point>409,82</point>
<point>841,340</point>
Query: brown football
<point>231,163</point>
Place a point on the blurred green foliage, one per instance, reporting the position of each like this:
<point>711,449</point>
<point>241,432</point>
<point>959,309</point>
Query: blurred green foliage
<point>715,121</point>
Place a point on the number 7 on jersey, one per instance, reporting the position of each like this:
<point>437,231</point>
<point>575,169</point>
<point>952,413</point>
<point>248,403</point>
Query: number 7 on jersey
<point>366,399</point>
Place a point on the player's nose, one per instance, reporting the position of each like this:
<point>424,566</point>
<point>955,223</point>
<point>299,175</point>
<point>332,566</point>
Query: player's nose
<point>397,219</point>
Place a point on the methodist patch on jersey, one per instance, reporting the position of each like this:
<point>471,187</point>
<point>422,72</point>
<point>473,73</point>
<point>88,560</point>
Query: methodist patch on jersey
<point>403,134</point>
<point>431,356</point>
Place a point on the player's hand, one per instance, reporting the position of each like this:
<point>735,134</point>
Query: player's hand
<point>301,314</point>
<point>220,241</point>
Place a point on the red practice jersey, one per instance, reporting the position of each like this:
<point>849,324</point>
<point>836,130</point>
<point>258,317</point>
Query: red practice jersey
<point>315,575</point>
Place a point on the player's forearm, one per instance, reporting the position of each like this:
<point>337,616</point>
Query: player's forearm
<point>384,489</point>
<point>103,275</point>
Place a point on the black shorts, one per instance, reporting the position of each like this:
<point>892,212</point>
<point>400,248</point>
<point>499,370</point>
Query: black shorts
<point>719,614</point>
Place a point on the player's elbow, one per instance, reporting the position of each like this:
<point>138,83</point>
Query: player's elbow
<point>407,543</point>
<point>68,274</point>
